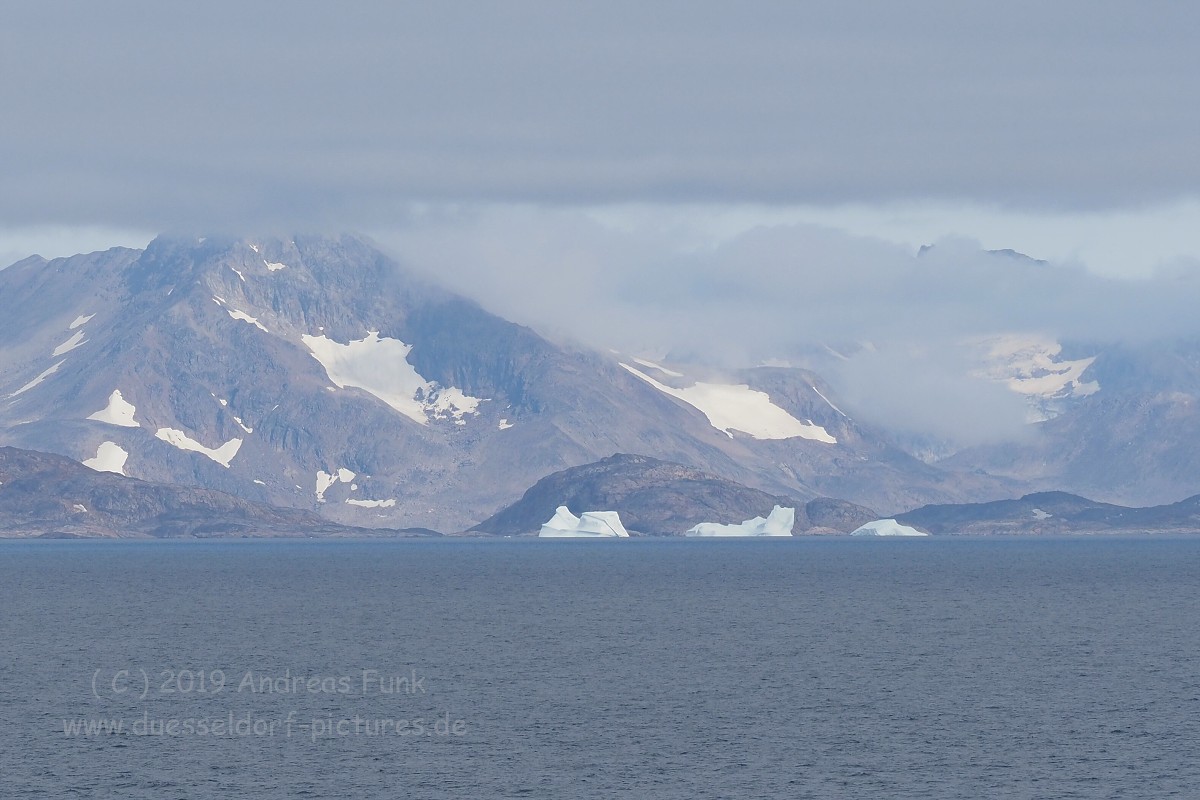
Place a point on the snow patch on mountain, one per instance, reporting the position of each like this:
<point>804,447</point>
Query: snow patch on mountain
<point>379,366</point>
<point>389,503</point>
<point>658,367</point>
<point>53,369</point>
<point>589,524</point>
<point>119,411</point>
<point>737,407</point>
<point>324,481</point>
<point>69,345</point>
<point>82,319</point>
<point>327,479</point>
<point>829,402</point>
<point>1031,366</point>
<point>222,455</point>
<point>110,457</point>
<point>274,266</point>
<point>451,402</point>
<point>241,316</point>
<point>778,523</point>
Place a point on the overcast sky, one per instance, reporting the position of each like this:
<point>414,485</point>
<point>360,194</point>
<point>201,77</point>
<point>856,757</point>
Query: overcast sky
<point>676,157</point>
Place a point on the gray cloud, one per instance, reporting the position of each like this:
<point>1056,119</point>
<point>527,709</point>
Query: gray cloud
<point>305,114</point>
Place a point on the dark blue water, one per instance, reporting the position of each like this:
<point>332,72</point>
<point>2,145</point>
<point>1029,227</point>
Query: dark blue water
<point>639,669</point>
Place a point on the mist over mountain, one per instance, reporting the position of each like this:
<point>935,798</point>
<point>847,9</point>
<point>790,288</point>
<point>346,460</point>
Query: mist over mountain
<point>316,373</point>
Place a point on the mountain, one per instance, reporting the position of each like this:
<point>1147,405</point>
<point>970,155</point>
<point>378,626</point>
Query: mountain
<point>1117,422</point>
<point>1049,513</point>
<point>659,498</point>
<point>52,496</point>
<point>316,373</point>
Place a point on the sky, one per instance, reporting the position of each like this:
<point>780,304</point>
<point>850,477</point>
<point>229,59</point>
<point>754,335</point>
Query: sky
<point>665,165</point>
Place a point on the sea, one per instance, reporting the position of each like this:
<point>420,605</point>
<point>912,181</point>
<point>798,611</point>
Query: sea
<point>661,669</point>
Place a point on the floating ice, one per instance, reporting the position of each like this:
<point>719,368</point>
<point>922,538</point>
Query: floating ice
<point>886,527</point>
<point>222,455</point>
<point>590,524</point>
<point>737,407</point>
<point>117,412</point>
<point>110,457</point>
<point>778,523</point>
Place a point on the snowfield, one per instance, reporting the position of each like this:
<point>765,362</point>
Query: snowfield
<point>110,457</point>
<point>737,407</point>
<point>37,380</point>
<point>117,412</point>
<point>1030,366</point>
<point>222,455</point>
<point>69,344</point>
<point>389,503</point>
<point>379,366</point>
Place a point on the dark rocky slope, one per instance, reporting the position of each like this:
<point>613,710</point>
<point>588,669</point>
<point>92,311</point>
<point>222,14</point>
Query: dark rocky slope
<point>660,498</point>
<point>49,495</point>
<point>1051,513</point>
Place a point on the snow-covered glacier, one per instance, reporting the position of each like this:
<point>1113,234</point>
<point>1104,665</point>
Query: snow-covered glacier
<point>589,525</point>
<point>886,527</point>
<point>778,523</point>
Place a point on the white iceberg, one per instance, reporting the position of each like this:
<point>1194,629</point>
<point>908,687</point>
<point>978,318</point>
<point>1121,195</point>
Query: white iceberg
<point>778,523</point>
<point>589,524</point>
<point>886,527</point>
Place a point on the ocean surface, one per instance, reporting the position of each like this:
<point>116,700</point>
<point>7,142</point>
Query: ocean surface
<point>938,668</point>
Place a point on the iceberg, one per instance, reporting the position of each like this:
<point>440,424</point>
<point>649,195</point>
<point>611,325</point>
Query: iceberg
<point>778,523</point>
<point>589,524</point>
<point>886,527</point>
